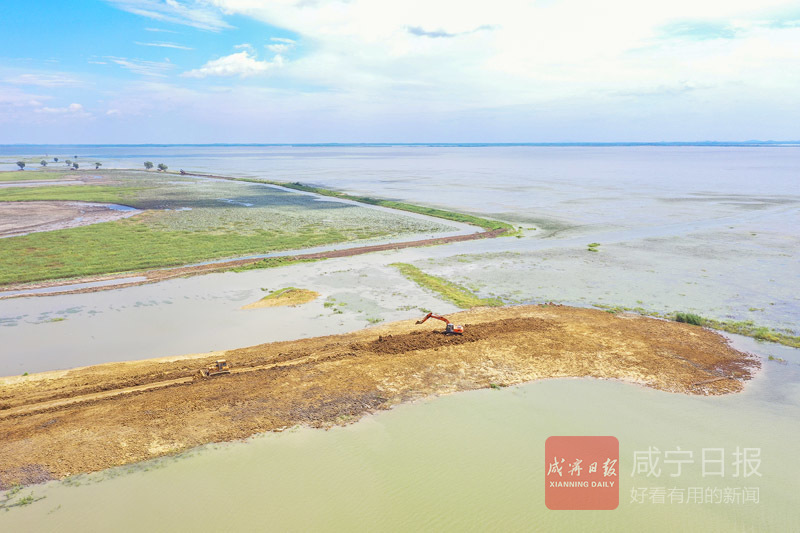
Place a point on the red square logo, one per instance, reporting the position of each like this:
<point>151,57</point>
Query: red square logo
<point>582,473</point>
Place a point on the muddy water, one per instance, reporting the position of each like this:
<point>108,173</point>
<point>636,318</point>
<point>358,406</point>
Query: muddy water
<point>467,461</point>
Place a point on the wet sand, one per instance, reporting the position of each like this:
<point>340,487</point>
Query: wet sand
<point>58,424</point>
<point>22,218</point>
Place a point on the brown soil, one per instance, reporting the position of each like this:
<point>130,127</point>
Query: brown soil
<point>57,424</point>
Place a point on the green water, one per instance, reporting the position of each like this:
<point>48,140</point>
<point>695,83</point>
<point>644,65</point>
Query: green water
<point>468,461</point>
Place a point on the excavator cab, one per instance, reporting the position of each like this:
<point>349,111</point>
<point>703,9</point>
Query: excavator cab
<point>220,366</point>
<point>452,329</point>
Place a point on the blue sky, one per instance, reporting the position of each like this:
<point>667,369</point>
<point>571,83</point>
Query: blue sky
<point>172,71</point>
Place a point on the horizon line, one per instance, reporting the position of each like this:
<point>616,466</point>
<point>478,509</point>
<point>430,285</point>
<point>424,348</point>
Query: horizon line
<point>437,144</point>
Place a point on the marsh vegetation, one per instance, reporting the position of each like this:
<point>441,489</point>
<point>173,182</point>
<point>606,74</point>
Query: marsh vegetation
<point>185,220</point>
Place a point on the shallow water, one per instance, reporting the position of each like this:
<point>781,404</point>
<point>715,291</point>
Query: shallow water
<point>704,230</point>
<point>708,230</point>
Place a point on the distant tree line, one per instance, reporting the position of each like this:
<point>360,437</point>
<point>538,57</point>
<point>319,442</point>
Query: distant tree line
<point>161,166</point>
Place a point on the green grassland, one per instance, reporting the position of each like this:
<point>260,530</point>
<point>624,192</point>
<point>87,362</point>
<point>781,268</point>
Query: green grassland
<point>129,245</point>
<point>83,193</point>
<point>25,175</point>
<point>447,290</point>
<point>186,221</point>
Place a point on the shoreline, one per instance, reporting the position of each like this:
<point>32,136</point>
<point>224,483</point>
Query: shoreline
<point>83,420</point>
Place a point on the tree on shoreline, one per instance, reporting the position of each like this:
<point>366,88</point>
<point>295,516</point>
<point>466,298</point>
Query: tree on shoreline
<point>97,165</point>
<point>21,165</point>
<point>55,160</point>
<point>43,163</point>
<point>68,162</point>
<point>162,167</point>
<point>75,166</point>
<point>148,165</point>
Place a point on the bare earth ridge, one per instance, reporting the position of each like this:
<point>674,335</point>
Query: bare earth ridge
<point>61,423</point>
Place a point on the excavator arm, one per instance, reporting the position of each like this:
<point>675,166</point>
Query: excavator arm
<point>431,315</point>
<point>450,329</point>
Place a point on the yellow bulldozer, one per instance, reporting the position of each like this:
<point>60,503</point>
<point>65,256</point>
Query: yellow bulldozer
<point>216,368</point>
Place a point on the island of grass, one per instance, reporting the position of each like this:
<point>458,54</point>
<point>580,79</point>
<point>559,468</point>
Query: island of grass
<point>289,296</point>
<point>447,290</point>
<point>189,220</point>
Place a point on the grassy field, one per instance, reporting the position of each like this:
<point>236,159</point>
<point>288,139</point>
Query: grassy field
<point>186,221</point>
<point>128,245</point>
<point>31,175</point>
<point>84,193</point>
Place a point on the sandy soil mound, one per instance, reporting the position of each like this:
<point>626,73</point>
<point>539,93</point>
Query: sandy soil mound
<point>426,340</point>
<point>62,423</point>
<point>284,297</point>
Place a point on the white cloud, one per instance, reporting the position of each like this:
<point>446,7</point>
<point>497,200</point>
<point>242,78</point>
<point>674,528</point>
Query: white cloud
<point>16,105</point>
<point>12,96</point>
<point>194,13</point>
<point>279,48</point>
<point>45,80</point>
<point>74,110</point>
<point>162,44</point>
<point>573,67</point>
<point>145,68</point>
<point>241,64</point>
<point>159,30</point>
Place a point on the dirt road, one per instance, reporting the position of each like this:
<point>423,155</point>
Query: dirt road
<point>61,423</point>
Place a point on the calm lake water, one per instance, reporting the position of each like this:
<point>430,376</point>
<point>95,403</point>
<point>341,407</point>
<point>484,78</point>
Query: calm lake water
<point>701,229</point>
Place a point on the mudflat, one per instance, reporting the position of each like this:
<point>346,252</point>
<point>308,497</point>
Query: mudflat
<point>61,423</point>
<point>22,218</point>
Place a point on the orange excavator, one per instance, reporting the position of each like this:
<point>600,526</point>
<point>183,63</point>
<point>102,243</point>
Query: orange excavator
<point>450,328</point>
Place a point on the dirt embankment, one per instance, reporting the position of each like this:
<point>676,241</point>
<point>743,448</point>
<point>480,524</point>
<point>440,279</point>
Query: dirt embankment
<point>61,423</point>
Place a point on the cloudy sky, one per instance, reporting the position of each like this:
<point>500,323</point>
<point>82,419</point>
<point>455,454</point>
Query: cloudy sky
<point>196,71</point>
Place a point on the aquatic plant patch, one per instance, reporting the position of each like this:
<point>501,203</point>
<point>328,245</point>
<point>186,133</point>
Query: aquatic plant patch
<point>452,292</point>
